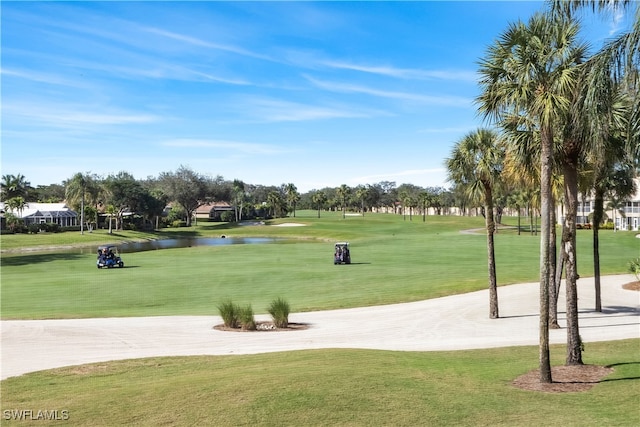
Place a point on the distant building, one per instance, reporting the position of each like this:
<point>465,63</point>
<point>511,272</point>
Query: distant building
<point>39,213</point>
<point>625,218</point>
<point>212,211</point>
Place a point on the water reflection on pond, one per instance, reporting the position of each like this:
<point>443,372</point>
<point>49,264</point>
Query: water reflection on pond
<point>186,243</point>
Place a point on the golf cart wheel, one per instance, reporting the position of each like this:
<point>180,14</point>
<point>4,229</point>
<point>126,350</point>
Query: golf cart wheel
<point>121,264</point>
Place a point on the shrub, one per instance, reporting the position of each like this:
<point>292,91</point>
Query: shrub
<point>634,267</point>
<point>246,319</point>
<point>49,227</point>
<point>228,216</point>
<point>279,311</point>
<point>229,313</point>
<point>20,229</point>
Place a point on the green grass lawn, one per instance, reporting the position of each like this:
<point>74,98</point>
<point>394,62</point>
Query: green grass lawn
<point>332,387</point>
<point>394,260</point>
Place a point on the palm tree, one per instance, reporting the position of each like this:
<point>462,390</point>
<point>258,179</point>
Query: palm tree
<point>411,203</point>
<point>608,106</point>
<point>319,198</point>
<point>293,196</point>
<point>274,199</point>
<point>476,162</point>
<point>238,192</point>
<point>529,70</point>
<point>616,205</point>
<point>361,194</point>
<point>516,200</point>
<point>76,188</point>
<point>111,210</point>
<point>403,195</point>
<point>425,200</point>
<point>609,164</point>
<point>616,182</point>
<point>17,204</point>
<point>343,193</point>
<point>618,58</point>
<point>14,186</point>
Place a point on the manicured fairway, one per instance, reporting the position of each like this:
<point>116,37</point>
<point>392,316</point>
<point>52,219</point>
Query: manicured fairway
<point>394,260</point>
<point>332,387</point>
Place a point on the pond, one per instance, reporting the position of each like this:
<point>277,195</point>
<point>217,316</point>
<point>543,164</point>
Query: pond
<point>152,245</point>
<point>190,242</point>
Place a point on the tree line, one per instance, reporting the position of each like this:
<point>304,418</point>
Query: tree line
<point>185,190</point>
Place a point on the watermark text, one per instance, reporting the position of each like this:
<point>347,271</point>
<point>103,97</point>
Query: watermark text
<point>35,415</point>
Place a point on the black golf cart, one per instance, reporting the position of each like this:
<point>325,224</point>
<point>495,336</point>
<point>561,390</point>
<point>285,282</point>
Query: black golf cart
<point>342,254</point>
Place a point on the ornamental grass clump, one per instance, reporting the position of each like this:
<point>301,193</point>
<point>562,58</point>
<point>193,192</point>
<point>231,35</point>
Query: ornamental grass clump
<point>279,311</point>
<point>246,318</point>
<point>230,313</point>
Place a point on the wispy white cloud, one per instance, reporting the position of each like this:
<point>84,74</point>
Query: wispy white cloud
<point>454,101</point>
<point>166,70</point>
<point>194,41</point>
<point>40,77</point>
<point>405,73</point>
<point>64,116</point>
<point>243,147</point>
<point>274,110</point>
<point>618,17</point>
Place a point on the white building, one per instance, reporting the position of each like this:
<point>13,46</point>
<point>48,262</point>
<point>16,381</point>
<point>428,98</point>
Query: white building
<point>627,218</point>
<point>39,213</point>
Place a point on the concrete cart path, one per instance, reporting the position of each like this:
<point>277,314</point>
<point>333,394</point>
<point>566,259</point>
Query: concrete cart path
<point>449,323</point>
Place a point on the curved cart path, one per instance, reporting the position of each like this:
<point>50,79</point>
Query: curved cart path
<point>449,323</point>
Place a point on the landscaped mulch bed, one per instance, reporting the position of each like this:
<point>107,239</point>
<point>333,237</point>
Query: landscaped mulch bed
<point>265,327</point>
<point>566,379</point>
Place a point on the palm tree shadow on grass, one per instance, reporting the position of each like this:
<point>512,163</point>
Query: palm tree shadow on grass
<point>615,365</point>
<point>39,258</point>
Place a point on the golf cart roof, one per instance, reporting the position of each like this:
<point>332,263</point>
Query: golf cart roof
<point>342,244</point>
<point>101,247</point>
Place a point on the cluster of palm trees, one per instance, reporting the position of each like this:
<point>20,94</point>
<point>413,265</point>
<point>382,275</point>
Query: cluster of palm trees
<point>113,196</point>
<point>385,196</point>
<point>14,190</point>
<point>566,121</point>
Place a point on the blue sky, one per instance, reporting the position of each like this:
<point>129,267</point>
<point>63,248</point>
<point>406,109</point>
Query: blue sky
<point>316,94</point>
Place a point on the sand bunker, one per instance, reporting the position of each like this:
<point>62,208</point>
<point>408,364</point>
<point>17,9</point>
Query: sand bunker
<point>290,224</point>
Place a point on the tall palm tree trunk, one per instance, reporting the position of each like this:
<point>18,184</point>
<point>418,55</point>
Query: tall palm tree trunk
<point>554,286</point>
<point>546,167</point>
<point>574,346</point>
<point>557,283</point>
<point>598,209</point>
<point>491,226</point>
<point>82,213</point>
